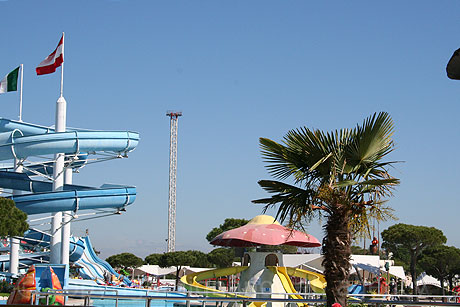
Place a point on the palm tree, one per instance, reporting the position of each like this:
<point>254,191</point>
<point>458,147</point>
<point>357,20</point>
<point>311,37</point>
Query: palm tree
<point>339,176</point>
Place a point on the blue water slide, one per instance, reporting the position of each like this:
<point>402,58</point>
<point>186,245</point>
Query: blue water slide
<point>19,140</point>
<point>71,198</point>
<point>34,237</point>
<point>93,267</point>
<point>75,200</point>
<point>24,259</point>
<point>14,145</point>
<point>22,140</point>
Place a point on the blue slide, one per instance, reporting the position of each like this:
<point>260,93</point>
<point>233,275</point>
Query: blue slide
<point>92,267</point>
<point>29,143</point>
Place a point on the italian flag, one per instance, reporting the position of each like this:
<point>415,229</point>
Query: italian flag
<point>53,61</point>
<point>10,82</point>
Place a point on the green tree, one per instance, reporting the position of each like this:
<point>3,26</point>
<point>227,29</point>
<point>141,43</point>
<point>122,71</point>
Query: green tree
<point>125,261</point>
<point>221,257</point>
<point>441,262</point>
<point>12,220</point>
<point>339,176</point>
<point>284,249</point>
<point>228,224</point>
<point>152,259</point>
<point>200,259</point>
<point>409,241</point>
<point>183,258</point>
<point>357,250</point>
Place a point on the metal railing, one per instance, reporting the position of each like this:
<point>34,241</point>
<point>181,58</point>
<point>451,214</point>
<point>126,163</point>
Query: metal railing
<point>187,299</point>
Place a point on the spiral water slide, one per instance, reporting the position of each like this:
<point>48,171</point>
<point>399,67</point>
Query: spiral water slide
<point>19,140</point>
<point>31,144</point>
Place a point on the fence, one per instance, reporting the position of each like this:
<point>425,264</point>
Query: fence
<point>111,298</point>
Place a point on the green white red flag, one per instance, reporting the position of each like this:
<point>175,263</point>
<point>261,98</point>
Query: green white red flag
<point>10,82</point>
<point>53,61</point>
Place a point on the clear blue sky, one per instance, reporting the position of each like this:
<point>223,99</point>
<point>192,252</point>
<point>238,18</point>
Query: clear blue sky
<point>240,70</point>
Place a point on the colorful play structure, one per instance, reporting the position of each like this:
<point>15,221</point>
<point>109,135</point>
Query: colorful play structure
<point>262,274</point>
<point>40,278</point>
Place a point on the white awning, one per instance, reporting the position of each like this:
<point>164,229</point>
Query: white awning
<point>154,270</point>
<point>368,263</point>
<point>425,279</point>
<point>398,271</point>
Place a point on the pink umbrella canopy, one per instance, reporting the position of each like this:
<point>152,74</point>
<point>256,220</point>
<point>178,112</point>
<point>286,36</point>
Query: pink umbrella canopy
<point>264,230</point>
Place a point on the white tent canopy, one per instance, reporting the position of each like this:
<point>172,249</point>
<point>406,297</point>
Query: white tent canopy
<point>295,260</point>
<point>398,271</point>
<point>154,270</point>
<point>425,279</point>
<point>368,263</point>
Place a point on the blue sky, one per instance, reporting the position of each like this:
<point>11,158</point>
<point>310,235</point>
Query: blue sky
<point>240,70</point>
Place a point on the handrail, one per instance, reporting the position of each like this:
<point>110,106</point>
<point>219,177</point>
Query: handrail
<point>87,295</point>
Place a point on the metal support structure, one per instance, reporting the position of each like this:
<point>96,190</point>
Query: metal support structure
<point>172,180</point>
<point>14,242</point>
<point>66,218</point>
<point>58,183</point>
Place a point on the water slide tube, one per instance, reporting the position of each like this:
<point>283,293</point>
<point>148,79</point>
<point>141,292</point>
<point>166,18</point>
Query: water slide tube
<point>24,258</point>
<point>81,253</point>
<point>71,198</point>
<point>33,238</point>
<point>21,140</point>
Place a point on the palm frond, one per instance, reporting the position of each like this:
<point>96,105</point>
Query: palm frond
<point>294,203</point>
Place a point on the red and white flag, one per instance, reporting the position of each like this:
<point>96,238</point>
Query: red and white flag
<point>53,61</point>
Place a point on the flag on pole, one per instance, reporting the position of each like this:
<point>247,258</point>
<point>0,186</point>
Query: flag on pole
<point>53,61</point>
<point>10,82</point>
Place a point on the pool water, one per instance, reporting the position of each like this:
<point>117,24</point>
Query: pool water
<point>131,303</point>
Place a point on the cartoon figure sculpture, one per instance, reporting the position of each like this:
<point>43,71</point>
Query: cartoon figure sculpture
<point>22,294</point>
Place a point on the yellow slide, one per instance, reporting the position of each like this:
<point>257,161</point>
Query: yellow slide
<point>286,282</point>
<point>317,281</point>
<point>191,282</point>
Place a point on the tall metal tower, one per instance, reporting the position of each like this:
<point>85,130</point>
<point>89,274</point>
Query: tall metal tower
<point>172,180</point>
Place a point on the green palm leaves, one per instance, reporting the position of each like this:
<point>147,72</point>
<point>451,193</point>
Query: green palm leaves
<point>344,167</point>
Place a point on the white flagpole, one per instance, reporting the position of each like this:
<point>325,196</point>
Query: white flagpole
<point>20,93</point>
<point>62,67</point>
<point>58,173</point>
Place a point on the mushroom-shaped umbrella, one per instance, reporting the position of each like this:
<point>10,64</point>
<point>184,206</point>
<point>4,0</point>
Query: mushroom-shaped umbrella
<point>264,230</point>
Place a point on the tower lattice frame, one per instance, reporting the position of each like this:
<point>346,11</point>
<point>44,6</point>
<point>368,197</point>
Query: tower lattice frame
<point>174,116</point>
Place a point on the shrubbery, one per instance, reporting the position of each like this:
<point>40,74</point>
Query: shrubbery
<point>5,287</point>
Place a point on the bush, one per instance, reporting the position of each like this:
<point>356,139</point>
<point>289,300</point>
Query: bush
<point>5,287</point>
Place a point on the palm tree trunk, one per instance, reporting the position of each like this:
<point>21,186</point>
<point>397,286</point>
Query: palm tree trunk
<point>337,254</point>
